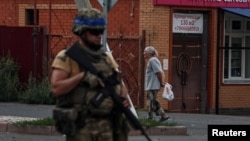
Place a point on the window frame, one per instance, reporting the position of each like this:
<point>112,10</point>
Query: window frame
<point>29,17</point>
<point>228,36</point>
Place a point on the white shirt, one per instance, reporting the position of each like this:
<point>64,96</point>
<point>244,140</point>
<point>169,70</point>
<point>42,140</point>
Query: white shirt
<point>151,80</point>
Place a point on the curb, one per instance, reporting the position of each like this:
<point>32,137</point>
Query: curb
<point>161,130</point>
<point>50,130</point>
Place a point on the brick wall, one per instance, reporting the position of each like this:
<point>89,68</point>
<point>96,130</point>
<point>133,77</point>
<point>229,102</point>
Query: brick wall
<point>124,16</point>
<point>156,22</point>
<point>8,12</point>
<point>57,18</point>
<point>234,96</point>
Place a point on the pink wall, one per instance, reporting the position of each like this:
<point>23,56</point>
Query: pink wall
<point>205,3</point>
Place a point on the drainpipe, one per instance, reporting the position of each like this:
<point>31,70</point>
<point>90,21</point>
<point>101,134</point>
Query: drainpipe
<point>218,65</point>
<point>49,39</point>
<point>35,42</point>
<point>217,82</point>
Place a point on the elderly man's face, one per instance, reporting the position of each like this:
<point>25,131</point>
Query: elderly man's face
<point>146,54</point>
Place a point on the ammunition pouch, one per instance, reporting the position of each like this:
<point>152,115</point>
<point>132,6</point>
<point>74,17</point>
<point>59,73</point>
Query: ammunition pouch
<point>104,109</point>
<point>76,96</point>
<point>68,120</point>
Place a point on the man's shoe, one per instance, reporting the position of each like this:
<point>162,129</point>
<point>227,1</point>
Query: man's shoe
<point>164,119</point>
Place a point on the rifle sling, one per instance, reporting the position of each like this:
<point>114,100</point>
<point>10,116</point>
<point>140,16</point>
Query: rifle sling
<point>77,54</point>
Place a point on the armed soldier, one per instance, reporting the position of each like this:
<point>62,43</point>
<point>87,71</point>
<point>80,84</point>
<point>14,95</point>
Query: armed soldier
<point>75,86</point>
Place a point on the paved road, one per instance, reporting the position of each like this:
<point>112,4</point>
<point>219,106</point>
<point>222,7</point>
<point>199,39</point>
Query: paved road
<point>196,123</point>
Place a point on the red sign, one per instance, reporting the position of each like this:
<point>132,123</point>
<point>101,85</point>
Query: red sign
<point>205,3</point>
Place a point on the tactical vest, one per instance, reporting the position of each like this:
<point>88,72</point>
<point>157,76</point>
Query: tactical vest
<point>89,87</point>
<point>68,120</point>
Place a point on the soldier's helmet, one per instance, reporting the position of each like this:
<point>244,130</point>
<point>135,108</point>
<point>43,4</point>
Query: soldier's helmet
<point>88,18</point>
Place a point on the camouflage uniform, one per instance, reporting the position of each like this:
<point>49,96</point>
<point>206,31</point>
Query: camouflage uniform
<point>103,123</point>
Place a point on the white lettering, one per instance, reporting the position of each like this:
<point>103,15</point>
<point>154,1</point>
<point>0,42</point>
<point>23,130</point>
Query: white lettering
<point>187,28</point>
<point>213,0</point>
<point>216,132</point>
<point>239,1</point>
<point>229,1</point>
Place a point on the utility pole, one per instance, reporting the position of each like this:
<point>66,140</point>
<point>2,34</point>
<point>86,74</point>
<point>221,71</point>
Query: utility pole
<point>106,4</point>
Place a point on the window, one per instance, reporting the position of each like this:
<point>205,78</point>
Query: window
<point>248,25</point>
<point>235,59</point>
<point>237,51</point>
<point>226,57</point>
<point>30,16</point>
<point>247,58</point>
<point>236,25</point>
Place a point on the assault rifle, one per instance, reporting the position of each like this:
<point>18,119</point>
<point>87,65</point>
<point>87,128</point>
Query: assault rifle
<point>77,54</point>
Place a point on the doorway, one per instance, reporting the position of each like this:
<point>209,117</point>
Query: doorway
<point>189,71</point>
<point>186,73</point>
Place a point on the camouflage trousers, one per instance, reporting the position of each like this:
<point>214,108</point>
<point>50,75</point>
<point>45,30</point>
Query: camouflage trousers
<point>153,105</point>
<point>94,130</point>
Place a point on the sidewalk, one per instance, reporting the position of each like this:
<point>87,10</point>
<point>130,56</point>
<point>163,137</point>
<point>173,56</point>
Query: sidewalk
<point>194,125</point>
<point>6,125</point>
<point>9,114</point>
<point>11,119</point>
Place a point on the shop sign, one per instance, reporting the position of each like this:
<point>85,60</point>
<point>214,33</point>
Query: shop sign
<point>187,23</point>
<point>205,3</point>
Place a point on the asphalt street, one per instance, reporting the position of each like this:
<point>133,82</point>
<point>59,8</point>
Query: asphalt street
<point>196,123</point>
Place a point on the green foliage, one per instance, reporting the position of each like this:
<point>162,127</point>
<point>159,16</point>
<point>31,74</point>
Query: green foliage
<point>48,121</point>
<point>153,123</point>
<point>9,79</point>
<point>37,92</point>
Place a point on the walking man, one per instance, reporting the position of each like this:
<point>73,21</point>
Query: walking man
<point>154,80</point>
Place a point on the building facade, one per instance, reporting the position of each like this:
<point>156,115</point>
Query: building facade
<point>203,45</point>
<point>204,48</point>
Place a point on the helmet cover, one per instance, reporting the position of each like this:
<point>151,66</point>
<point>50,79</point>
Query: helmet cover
<point>89,18</point>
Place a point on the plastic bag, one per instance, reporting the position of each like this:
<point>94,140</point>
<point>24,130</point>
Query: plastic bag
<point>167,93</point>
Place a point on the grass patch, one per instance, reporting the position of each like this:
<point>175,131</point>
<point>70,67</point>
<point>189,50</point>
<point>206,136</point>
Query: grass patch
<point>154,123</point>
<point>39,122</point>
<point>48,121</point>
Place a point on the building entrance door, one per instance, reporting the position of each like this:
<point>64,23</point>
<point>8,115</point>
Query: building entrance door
<point>186,72</point>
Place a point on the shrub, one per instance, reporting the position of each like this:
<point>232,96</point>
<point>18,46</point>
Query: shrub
<point>37,92</point>
<point>9,79</point>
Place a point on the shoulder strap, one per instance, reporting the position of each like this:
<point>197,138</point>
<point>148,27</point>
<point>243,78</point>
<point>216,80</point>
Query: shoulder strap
<point>77,54</point>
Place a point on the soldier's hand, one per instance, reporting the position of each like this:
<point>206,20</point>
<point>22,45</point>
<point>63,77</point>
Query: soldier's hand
<point>126,103</point>
<point>101,83</point>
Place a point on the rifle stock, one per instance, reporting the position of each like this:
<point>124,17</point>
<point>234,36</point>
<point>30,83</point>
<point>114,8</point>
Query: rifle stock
<point>77,54</point>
